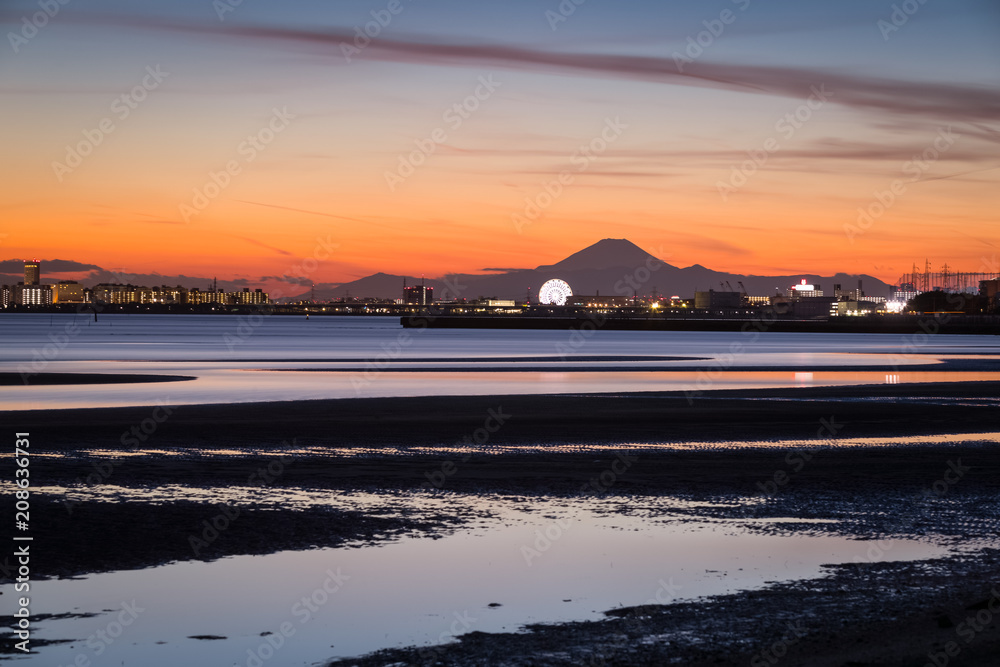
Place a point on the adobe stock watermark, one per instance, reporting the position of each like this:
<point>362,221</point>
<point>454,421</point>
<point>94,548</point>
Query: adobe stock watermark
<point>142,431</point>
<point>609,476</point>
<point>246,325</point>
<point>495,419</point>
<point>31,25</point>
<point>213,527</point>
<point>363,35</point>
<point>41,358</point>
<point>786,127</point>
<point>760,324</point>
<point>463,622</point>
<point>375,366</point>
<point>797,458</point>
<point>544,539</point>
<point>121,108</point>
<point>599,484</point>
<point>303,611</point>
<point>953,474</point>
<point>100,641</point>
<point>967,630</point>
<point>131,439</point>
<point>914,169</point>
<point>899,17</point>
<point>248,149</point>
<point>562,12</point>
<point>223,7</point>
<point>702,41</point>
<point>930,327</point>
<point>630,283</point>
<point>454,116</point>
<point>634,624</point>
<point>777,650</point>
<point>57,342</point>
<point>586,154</point>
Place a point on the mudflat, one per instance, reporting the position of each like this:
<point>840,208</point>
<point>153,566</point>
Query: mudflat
<point>802,455</point>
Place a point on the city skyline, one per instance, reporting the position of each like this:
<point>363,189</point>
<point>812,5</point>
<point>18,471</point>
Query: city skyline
<point>765,140</point>
<point>296,282</point>
<point>605,266</point>
<point>385,332</point>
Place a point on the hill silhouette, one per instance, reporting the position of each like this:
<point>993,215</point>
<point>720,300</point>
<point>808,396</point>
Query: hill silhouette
<point>609,267</point>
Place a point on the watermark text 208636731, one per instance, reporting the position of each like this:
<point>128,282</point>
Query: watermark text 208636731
<point>22,554</point>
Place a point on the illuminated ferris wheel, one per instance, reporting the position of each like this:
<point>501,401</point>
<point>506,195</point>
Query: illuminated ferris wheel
<point>554,293</point>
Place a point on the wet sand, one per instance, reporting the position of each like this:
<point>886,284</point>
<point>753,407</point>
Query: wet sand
<point>16,379</point>
<point>874,613</point>
<point>889,614</point>
<point>708,416</point>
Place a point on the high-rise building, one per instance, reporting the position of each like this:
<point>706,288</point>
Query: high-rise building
<point>248,298</point>
<point>990,290</point>
<point>114,293</point>
<point>419,295</point>
<point>36,295</point>
<point>804,290</point>
<point>6,296</point>
<point>196,297</point>
<point>32,272</point>
<point>68,291</point>
<point>903,292</point>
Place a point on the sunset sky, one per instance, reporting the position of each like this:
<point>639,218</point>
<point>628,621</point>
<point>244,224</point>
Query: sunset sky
<point>321,130</point>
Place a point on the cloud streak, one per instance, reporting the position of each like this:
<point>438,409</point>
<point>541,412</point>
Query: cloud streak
<point>16,266</point>
<point>255,242</point>
<point>942,101</point>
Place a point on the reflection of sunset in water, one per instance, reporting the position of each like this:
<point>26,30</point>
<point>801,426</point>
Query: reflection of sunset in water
<point>231,385</point>
<point>540,559</point>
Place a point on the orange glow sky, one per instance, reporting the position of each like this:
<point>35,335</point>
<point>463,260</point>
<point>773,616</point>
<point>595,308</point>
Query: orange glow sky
<point>323,177</point>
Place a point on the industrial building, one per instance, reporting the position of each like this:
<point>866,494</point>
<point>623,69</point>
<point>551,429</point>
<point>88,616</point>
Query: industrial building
<point>712,300</point>
<point>419,295</point>
<point>598,301</point>
<point>68,291</point>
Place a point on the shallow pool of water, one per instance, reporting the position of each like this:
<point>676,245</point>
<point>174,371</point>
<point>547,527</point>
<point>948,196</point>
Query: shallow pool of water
<point>560,561</point>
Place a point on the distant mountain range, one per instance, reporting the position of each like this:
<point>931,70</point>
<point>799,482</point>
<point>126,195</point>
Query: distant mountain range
<point>609,267</point>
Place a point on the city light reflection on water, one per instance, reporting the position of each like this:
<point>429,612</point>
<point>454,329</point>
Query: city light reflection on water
<point>546,560</point>
<point>229,385</point>
<point>593,553</point>
<point>285,359</point>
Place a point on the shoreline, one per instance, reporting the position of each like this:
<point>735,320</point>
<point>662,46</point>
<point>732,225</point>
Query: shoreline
<point>641,417</point>
<point>875,613</point>
<point>69,379</point>
<point>895,614</point>
<point>587,321</point>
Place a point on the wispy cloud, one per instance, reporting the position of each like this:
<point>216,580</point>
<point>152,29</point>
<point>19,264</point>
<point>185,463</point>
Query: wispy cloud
<point>943,101</point>
<point>301,210</point>
<point>262,245</point>
<point>16,266</point>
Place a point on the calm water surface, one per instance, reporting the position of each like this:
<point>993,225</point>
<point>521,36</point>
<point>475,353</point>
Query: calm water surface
<point>242,359</point>
<point>544,561</point>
